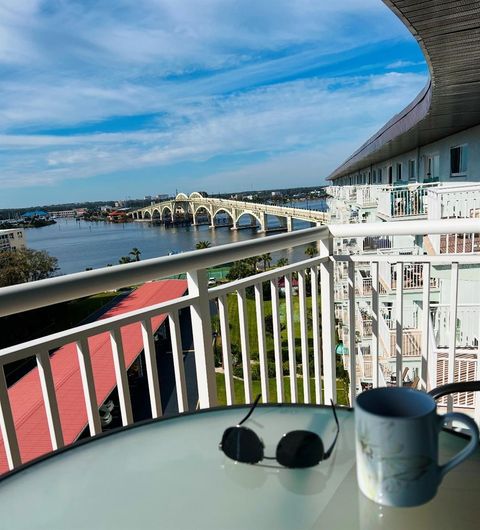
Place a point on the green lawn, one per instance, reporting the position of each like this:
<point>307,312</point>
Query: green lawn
<point>77,310</point>
<point>252,325</point>
<point>342,392</point>
<point>239,393</point>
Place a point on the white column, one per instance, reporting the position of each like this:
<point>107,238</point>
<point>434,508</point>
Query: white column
<point>234,220</point>
<point>202,338</point>
<point>328,322</point>
<point>289,224</point>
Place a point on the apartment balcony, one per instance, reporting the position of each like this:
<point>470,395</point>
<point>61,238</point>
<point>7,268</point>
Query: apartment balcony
<point>288,357</point>
<point>454,202</point>
<point>404,202</point>
<point>367,196</point>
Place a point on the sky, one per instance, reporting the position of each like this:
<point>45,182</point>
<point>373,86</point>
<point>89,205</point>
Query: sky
<point>125,98</point>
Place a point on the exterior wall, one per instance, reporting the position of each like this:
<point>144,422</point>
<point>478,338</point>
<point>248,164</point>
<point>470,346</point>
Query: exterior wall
<point>12,239</point>
<point>441,149</point>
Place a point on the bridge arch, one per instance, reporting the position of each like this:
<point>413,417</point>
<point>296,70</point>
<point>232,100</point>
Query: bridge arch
<point>162,213</point>
<point>147,214</point>
<point>196,195</point>
<point>156,214</point>
<point>181,197</point>
<point>223,210</point>
<point>199,208</point>
<point>252,214</point>
<point>228,212</point>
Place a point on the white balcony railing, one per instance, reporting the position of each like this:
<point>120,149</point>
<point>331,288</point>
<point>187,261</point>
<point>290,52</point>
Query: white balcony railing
<point>455,202</point>
<point>311,360</point>
<point>467,327</point>
<point>404,201</point>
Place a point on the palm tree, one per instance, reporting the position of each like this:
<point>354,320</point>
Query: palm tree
<point>252,262</point>
<point>282,262</point>
<point>311,251</point>
<point>125,259</point>
<point>267,260</point>
<point>135,253</point>
<point>203,244</point>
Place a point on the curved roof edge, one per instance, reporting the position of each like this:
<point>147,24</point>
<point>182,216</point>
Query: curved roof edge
<point>448,33</point>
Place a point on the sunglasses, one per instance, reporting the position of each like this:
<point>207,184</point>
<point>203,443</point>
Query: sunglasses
<point>296,449</point>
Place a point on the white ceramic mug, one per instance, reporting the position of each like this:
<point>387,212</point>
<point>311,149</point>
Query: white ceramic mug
<point>397,432</point>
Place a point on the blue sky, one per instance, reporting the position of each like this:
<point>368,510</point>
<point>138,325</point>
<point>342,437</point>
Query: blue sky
<point>126,98</point>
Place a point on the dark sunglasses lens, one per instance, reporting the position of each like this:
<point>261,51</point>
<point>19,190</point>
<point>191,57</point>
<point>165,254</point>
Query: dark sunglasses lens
<point>242,444</point>
<point>300,449</point>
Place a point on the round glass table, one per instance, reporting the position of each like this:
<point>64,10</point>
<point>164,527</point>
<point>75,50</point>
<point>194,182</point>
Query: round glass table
<point>170,474</point>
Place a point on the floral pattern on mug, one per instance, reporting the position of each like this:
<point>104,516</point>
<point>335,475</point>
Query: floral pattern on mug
<point>383,466</point>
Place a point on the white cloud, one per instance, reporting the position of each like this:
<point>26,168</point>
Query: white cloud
<point>282,120</point>
<point>215,74</point>
<point>400,64</point>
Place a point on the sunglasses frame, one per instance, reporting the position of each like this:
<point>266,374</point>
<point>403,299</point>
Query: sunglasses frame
<point>258,450</point>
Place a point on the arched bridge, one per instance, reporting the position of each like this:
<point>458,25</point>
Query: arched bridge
<point>197,206</point>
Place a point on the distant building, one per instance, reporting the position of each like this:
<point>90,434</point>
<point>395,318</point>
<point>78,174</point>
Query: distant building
<point>12,239</point>
<point>63,213</point>
<point>161,197</point>
<point>36,214</point>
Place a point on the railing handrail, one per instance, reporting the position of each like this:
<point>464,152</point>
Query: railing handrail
<point>32,295</point>
<point>55,340</point>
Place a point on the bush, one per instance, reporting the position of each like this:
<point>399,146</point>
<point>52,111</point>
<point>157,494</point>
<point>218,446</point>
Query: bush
<point>255,368</point>
<point>238,371</point>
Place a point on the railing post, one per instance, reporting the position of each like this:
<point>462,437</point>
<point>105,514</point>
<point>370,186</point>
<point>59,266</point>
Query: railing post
<point>50,399</point>
<point>292,355</point>
<point>452,328</point>
<point>328,324</point>
<point>152,371</point>
<point>202,338</point>
<point>7,425</point>
<point>351,332</point>
<point>86,373</point>
<point>399,325</point>
<point>226,348</point>
<point>317,359</point>
<point>121,376</point>
<point>424,375</point>
<point>277,341</point>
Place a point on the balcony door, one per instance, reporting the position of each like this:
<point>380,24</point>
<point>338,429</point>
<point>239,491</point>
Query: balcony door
<point>432,167</point>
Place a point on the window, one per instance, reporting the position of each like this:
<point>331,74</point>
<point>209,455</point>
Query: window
<point>458,161</point>
<point>374,176</point>
<point>412,173</point>
<point>399,171</point>
<point>380,176</point>
<point>431,167</point>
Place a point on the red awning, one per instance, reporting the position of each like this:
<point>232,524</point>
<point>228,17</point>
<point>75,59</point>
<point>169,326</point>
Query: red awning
<point>26,396</point>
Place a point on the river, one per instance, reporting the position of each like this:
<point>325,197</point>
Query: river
<point>79,244</point>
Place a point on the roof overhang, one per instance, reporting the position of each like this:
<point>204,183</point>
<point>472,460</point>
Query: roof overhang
<point>448,31</point>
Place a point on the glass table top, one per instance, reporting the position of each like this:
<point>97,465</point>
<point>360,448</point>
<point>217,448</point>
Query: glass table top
<point>170,474</point>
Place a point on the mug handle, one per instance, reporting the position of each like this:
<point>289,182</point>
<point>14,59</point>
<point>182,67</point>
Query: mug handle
<point>466,451</point>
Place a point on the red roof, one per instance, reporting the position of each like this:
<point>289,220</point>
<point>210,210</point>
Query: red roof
<point>26,396</point>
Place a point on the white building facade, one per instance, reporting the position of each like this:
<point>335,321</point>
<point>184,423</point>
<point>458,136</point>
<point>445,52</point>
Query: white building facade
<point>12,239</point>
